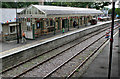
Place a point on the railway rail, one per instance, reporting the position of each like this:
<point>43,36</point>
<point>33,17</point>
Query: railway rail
<point>52,57</point>
<point>86,59</point>
<point>81,64</point>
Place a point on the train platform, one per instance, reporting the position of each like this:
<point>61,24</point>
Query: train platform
<point>13,44</point>
<point>99,67</point>
<point>17,53</point>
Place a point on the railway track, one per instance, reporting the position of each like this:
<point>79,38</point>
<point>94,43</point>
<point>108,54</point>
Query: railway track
<point>47,59</point>
<point>88,57</point>
<point>81,64</point>
<point>3,71</point>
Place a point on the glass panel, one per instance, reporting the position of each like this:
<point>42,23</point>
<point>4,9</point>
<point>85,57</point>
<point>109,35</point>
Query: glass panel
<point>51,22</point>
<point>24,12</point>
<point>35,11</point>
<point>29,11</point>
<point>38,25</point>
<point>28,26</point>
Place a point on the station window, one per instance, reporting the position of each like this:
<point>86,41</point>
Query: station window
<point>84,19</point>
<point>47,22</point>
<point>28,26</point>
<point>12,29</point>
<point>24,12</point>
<point>81,20</point>
<point>36,11</point>
<point>38,25</point>
<point>51,22</point>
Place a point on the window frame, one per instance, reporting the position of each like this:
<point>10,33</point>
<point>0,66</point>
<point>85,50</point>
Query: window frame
<point>12,32</point>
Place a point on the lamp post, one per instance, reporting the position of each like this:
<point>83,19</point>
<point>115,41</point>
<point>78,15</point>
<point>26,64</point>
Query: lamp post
<point>111,40</point>
<point>119,30</point>
<point>16,24</point>
<point>119,40</point>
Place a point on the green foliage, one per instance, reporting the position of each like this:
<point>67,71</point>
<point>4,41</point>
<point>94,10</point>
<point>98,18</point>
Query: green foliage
<point>77,70</point>
<point>71,4</point>
<point>110,11</point>
<point>117,10</point>
<point>100,5</point>
<point>18,4</point>
<point>79,4</point>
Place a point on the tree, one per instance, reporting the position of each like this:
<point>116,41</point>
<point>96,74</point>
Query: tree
<point>99,5</point>
<point>117,11</point>
<point>110,11</point>
<point>19,4</point>
<point>71,4</point>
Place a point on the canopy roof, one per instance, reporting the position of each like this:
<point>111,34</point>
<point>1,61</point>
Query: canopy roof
<point>8,14</point>
<point>57,11</point>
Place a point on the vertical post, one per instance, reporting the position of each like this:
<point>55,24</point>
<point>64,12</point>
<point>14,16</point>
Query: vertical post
<point>111,40</point>
<point>16,24</point>
<point>84,20</point>
<point>41,26</point>
<point>33,28</point>
<point>20,30</point>
<point>119,40</point>
<point>78,22</point>
<point>68,23</point>
<point>58,23</point>
<point>54,25</point>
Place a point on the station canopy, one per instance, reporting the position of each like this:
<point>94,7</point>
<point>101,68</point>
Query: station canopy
<point>45,11</point>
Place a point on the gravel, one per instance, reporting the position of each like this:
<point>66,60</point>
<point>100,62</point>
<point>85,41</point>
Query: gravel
<point>47,67</point>
<point>28,65</point>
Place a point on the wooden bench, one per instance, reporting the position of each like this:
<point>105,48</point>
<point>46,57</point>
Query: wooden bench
<point>37,32</point>
<point>45,31</point>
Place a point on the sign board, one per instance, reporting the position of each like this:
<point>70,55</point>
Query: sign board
<point>13,24</point>
<point>82,18</point>
<point>29,34</point>
<point>28,24</point>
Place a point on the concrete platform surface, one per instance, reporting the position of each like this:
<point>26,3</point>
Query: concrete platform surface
<point>99,67</point>
<point>11,48</point>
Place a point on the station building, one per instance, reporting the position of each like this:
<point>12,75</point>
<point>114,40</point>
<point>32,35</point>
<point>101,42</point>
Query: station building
<point>8,22</point>
<point>36,20</point>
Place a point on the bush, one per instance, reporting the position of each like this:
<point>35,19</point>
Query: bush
<point>117,11</point>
